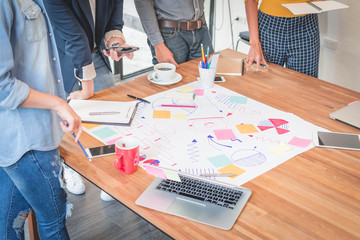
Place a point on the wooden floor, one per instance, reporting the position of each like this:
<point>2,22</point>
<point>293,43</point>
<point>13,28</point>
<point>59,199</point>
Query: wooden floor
<point>93,218</point>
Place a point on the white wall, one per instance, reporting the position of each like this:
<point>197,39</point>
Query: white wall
<point>340,66</point>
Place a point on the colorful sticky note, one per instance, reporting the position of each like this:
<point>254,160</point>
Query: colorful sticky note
<point>89,125</point>
<point>199,92</point>
<point>113,141</point>
<point>172,175</point>
<point>161,114</point>
<point>224,134</point>
<point>238,99</point>
<point>246,128</point>
<point>280,149</point>
<point>104,132</point>
<point>157,172</point>
<point>300,142</point>
<point>231,168</point>
<point>186,89</point>
<point>179,116</point>
<point>220,160</point>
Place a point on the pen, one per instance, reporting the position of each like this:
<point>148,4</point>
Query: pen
<point>82,148</point>
<point>218,175</point>
<point>103,113</point>
<point>137,98</point>
<point>314,6</point>
<point>183,106</point>
<point>242,66</point>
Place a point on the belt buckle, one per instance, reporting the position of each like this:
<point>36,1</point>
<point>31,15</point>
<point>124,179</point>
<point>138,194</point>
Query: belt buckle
<point>198,24</point>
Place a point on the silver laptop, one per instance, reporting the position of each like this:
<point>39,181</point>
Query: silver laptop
<point>349,114</point>
<point>196,198</point>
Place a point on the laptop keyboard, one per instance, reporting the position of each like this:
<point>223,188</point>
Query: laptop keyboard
<point>201,190</point>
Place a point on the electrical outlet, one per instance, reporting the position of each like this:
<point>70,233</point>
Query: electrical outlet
<point>331,44</point>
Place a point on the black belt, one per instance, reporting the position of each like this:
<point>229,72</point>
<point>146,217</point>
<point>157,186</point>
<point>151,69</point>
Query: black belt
<point>188,25</point>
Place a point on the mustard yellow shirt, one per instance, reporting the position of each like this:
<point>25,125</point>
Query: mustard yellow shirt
<point>274,8</point>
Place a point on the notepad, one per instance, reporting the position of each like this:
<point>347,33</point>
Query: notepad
<point>105,112</point>
<point>314,7</point>
<point>230,66</point>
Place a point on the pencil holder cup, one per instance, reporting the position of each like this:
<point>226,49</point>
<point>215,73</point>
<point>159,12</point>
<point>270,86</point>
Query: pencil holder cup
<point>207,77</point>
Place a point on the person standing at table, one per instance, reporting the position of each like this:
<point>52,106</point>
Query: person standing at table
<point>280,37</point>
<point>83,29</point>
<point>175,29</point>
<point>33,116</point>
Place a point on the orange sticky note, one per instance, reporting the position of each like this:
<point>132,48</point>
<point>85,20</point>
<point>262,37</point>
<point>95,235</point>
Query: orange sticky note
<point>246,128</point>
<point>89,125</point>
<point>231,168</point>
<point>161,114</point>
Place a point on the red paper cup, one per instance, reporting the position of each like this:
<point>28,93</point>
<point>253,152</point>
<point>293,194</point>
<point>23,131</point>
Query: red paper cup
<point>127,155</point>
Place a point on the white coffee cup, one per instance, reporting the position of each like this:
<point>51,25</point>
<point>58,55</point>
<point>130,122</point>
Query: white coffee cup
<point>164,72</point>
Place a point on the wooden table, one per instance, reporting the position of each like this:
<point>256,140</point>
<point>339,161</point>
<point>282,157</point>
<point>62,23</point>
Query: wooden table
<point>315,195</point>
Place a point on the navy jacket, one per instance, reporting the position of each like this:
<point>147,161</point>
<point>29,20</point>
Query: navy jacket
<point>75,32</point>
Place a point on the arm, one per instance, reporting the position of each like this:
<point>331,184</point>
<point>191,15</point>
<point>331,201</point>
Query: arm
<point>149,21</point>
<point>114,32</point>
<point>76,42</point>
<point>15,93</point>
<point>255,52</point>
<point>37,99</point>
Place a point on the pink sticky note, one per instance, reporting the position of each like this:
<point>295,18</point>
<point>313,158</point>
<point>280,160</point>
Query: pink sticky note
<point>224,134</point>
<point>199,92</point>
<point>157,172</point>
<point>300,142</point>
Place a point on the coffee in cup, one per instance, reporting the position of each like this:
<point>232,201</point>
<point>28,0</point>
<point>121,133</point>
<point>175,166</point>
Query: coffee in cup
<point>164,72</point>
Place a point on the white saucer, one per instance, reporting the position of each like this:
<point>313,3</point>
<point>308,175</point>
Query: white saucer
<point>177,78</point>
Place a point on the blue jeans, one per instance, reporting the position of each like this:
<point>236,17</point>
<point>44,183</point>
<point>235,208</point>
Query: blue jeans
<point>104,77</point>
<point>34,182</point>
<point>185,45</point>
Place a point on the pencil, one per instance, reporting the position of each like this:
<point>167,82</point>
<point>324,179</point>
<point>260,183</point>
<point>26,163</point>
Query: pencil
<point>202,52</point>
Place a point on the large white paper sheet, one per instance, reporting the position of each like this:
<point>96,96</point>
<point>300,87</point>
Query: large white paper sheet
<point>219,131</point>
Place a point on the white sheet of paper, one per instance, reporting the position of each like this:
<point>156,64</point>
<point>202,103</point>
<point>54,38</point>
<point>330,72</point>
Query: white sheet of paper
<point>304,8</point>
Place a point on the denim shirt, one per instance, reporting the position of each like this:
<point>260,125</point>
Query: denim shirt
<point>28,59</point>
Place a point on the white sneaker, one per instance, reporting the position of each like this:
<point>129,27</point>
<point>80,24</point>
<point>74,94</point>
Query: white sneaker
<point>73,180</point>
<point>106,197</point>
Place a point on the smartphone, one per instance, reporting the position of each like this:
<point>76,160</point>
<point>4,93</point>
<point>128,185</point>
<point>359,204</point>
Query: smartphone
<point>219,79</point>
<point>100,151</point>
<point>337,140</point>
<point>122,49</point>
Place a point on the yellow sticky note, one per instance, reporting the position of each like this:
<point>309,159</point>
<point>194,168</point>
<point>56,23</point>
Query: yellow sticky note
<point>231,168</point>
<point>161,114</point>
<point>280,149</point>
<point>89,125</point>
<point>246,128</point>
<point>186,89</point>
<point>179,116</point>
<point>172,175</point>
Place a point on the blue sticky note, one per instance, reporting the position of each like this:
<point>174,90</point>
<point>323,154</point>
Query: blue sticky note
<point>104,133</point>
<point>220,160</point>
<point>238,99</point>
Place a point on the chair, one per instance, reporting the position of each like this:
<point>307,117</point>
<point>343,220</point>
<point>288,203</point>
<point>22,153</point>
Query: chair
<point>243,36</point>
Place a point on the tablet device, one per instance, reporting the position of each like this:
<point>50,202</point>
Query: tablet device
<point>337,140</point>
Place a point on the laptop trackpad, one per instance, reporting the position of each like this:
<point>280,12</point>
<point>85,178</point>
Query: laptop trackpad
<point>186,208</point>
